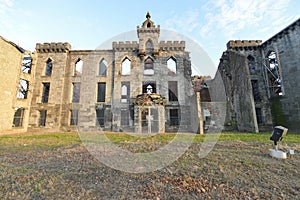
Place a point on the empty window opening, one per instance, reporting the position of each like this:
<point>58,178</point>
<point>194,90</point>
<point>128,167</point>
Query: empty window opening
<point>173,91</point>
<point>172,66</point>
<point>78,67</point>
<point>76,93</point>
<point>103,68</point>
<point>149,46</point>
<point>125,92</point>
<point>74,117</point>
<point>26,64</point>
<point>49,65</point>
<point>100,119</point>
<point>276,87</point>
<point>149,87</point>
<point>174,117</point>
<point>255,90</point>
<point>259,116</point>
<point>46,91</point>
<point>18,117</point>
<point>101,92</point>
<point>126,66</point>
<point>273,64</point>
<point>43,117</point>
<point>251,64</point>
<point>22,89</point>
<point>149,67</point>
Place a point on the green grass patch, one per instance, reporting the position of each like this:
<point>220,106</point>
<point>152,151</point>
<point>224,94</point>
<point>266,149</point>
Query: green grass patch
<point>41,140</point>
<point>52,140</point>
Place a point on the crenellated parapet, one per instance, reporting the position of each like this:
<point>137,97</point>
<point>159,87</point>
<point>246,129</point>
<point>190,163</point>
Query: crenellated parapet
<point>243,44</point>
<point>53,47</point>
<point>125,46</point>
<point>172,45</point>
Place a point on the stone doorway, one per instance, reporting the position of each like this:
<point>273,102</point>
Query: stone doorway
<point>149,115</point>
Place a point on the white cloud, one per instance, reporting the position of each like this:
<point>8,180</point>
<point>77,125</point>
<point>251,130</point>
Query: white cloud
<point>233,16</point>
<point>5,5</point>
<point>188,21</point>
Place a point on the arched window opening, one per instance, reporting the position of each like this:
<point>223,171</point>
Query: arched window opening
<point>78,67</point>
<point>49,65</point>
<point>149,87</point>
<point>251,64</point>
<point>126,66</point>
<point>149,46</point>
<point>149,67</point>
<point>125,92</point>
<point>172,66</point>
<point>103,68</point>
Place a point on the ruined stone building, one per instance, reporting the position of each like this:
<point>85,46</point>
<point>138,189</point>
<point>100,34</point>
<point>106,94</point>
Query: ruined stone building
<point>16,67</point>
<point>262,81</point>
<point>146,86</point>
<point>138,86</point>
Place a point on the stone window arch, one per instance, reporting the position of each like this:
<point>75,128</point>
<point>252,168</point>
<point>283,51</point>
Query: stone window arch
<point>49,66</point>
<point>149,46</point>
<point>103,67</point>
<point>126,66</point>
<point>78,67</point>
<point>172,66</point>
<point>149,66</point>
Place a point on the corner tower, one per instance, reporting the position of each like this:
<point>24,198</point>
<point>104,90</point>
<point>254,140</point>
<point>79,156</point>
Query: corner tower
<point>148,35</point>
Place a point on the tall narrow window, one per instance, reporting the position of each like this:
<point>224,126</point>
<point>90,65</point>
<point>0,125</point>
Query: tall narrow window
<point>149,87</point>
<point>101,92</point>
<point>18,117</point>
<point>174,117</point>
<point>173,91</point>
<point>103,68</point>
<point>78,67</point>
<point>74,117</point>
<point>22,89</point>
<point>26,64</point>
<point>149,46</point>
<point>251,64</point>
<point>76,93</point>
<point>43,116</point>
<point>172,66</point>
<point>149,67</point>
<point>255,90</point>
<point>46,90</point>
<point>100,119</point>
<point>126,66</point>
<point>125,92</point>
<point>259,116</point>
<point>49,65</point>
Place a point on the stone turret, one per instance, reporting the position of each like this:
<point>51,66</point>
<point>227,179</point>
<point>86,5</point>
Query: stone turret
<point>148,35</point>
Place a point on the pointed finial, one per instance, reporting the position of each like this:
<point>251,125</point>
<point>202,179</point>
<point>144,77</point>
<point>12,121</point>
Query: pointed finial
<point>148,16</point>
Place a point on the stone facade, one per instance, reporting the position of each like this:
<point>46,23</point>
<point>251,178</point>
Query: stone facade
<point>110,81</point>
<point>261,81</point>
<point>146,86</point>
<point>16,86</point>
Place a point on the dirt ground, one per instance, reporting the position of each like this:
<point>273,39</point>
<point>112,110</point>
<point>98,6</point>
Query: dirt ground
<point>232,170</point>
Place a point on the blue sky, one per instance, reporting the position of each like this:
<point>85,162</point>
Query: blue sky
<point>86,24</point>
